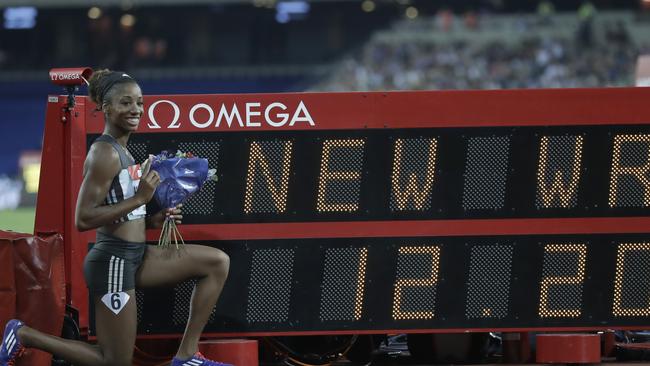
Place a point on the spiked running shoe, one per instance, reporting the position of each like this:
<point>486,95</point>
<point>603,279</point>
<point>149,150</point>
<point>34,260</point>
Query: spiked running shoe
<point>11,346</point>
<point>197,360</point>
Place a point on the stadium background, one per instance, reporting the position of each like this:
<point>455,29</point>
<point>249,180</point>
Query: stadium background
<point>252,46</point>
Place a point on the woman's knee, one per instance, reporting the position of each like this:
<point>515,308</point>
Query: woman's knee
<point>218,262</point>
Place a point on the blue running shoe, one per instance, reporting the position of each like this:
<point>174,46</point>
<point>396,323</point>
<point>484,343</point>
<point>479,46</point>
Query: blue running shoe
<point>197,360</point>
<point>11,346</point>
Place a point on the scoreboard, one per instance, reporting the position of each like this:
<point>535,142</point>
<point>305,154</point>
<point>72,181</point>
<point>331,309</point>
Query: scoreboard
<point>411,211</point>
<point>415,174</point>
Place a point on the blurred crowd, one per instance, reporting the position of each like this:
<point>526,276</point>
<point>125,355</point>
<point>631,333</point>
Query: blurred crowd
<point>591,54</point>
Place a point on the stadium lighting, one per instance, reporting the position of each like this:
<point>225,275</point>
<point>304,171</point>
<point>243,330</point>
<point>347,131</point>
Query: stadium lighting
<point>127,20</point>
<point>94,13</point>
<point>368,6</point>
<point>411,12</point>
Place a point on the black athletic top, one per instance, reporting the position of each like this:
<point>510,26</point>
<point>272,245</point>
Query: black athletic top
<point>125,183</point>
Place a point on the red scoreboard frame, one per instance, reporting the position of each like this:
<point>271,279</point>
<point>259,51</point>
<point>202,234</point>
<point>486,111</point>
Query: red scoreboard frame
<point>617,119</point>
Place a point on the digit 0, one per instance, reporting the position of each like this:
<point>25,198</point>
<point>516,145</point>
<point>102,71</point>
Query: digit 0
<point>631,290</point>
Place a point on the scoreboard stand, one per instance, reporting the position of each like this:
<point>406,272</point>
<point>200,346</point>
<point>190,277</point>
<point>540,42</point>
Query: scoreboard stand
<point>568,348</point>
<point>349,214</point>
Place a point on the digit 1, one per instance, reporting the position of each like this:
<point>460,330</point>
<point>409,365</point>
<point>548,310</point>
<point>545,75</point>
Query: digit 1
<point>634,270</point>
<point>571,298</point>
<point>361,281</point>
<point>427,285</point>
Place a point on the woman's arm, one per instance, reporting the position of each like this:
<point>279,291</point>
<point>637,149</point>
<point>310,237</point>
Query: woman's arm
<point>101,166</point>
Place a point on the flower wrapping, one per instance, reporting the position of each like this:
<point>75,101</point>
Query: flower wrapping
<point>181,175</point>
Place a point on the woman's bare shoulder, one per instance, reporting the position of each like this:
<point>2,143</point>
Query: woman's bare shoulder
<point>102,156</point>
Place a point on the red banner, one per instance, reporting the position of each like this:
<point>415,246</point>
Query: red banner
<point>343,111</point>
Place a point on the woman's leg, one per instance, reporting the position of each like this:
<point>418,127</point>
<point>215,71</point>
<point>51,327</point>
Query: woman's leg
<point>115,338</point>
<point>168,266</point>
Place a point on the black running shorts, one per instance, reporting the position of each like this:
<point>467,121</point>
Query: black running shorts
<point>111,264</point>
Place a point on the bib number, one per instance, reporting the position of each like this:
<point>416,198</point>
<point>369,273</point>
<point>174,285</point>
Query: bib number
<point>116,301</point>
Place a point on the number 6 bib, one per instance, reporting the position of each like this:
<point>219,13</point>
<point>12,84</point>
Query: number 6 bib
<point>116,301</point>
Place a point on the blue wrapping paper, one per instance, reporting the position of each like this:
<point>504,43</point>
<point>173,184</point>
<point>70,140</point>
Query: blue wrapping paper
<point>179,178</point>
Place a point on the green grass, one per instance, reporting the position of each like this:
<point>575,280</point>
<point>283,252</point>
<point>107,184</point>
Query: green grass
<point>20,220</point>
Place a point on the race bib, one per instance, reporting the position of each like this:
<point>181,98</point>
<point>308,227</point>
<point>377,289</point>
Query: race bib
<point>135,172</point>
<point>116,301</point>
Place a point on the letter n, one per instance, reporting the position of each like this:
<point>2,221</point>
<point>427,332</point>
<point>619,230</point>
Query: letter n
<point>267,181</point>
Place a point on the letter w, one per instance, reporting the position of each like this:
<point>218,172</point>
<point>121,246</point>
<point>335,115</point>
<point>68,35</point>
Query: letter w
<point>411,192</point>
<point>558,188</point>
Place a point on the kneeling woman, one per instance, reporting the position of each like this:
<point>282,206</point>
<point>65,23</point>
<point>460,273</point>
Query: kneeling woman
<point>112,199</point>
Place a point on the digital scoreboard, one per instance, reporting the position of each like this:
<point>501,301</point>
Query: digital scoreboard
<point>415,174</point>
<point>411,212</point>
<point>397,176</point>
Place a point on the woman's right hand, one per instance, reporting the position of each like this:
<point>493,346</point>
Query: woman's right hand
<point>147,186</point>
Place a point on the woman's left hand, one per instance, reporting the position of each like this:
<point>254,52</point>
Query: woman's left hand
<point>175,214</point>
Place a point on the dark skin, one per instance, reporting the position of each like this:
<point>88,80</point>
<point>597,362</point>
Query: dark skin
<point>116,334</point>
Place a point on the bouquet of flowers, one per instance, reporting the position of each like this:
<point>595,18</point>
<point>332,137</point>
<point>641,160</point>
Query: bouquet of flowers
<point>181,175</point>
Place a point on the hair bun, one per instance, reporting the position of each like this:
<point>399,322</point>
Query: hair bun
<point>94,83</point>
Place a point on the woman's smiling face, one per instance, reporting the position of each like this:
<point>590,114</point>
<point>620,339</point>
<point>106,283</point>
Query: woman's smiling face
<point>125,107</point>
